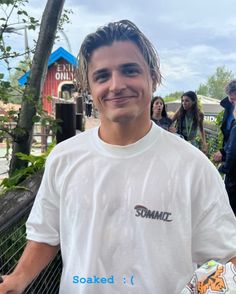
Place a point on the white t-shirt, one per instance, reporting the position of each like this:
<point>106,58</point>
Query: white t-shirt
<point>132,219</point>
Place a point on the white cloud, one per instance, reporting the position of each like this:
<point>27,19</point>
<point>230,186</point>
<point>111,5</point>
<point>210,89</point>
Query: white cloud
<point>193,38</point>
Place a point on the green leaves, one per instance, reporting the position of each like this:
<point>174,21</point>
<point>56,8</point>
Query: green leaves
<point>215,85</point>
<point>36,163</point>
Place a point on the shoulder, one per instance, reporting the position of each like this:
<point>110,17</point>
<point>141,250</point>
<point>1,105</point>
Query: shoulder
<point>166,118</point>
<point>225,103</point>
<point>73,145</point>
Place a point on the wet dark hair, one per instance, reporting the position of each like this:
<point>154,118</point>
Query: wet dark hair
<point>123,30</point>
<point>231,87</point>
<point>163,113</point>
<point>194,109</point>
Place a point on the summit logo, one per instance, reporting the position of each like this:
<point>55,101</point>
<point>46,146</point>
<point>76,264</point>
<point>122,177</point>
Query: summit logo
<point>144,212</point>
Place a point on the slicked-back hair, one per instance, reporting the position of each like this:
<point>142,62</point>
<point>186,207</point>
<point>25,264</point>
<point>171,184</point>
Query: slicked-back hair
<point>123,30</point>
<point>231,87</point>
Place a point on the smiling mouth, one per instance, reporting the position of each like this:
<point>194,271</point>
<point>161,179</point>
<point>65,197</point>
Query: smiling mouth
<point>119,99</point>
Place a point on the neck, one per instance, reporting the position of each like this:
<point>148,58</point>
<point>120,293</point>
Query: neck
<point>188,112</point>
<point>123,134</point>
<point>156,116</point>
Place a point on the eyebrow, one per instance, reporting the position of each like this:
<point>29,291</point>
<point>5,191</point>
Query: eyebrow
<point>131,64</point>
<point>99,71</point>
<point>125,65</point>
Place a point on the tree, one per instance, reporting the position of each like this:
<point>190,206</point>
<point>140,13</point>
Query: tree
<point>215,85</point>
<point>173,96</point>
<point>31,97</point>
<point>203,90</point>
<point>16,91</point>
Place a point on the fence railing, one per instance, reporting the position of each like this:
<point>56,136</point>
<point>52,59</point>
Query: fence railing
<point>212,140</point>
<point>14,209</point>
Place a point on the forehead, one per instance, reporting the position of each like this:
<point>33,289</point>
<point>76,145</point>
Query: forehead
<point>186,98</point>
<point>158,101</point>
<point>119,52</point>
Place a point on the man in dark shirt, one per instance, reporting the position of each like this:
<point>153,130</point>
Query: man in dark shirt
<point>227,104</point>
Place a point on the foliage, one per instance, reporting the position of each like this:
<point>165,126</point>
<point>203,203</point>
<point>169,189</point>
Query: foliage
<point>203,90</point>
<point>219,119</point>
<point>17,90</point>
<point>31,108</point>
<point>10,9</point>
<point>212,145</point>
<point>173,96</point>
<point>36,163</point>
<point>215,85</point>
<point>215,138</point>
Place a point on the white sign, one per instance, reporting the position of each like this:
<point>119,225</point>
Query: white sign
<point>210,118</point>
<point>64,72</point>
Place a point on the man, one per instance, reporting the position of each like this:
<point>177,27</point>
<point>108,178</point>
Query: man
<point>228,167</point>
<point>131,206</point>
<point>227,104</point>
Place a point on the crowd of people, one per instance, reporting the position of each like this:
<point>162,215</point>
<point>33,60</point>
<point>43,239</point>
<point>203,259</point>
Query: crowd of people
<point>187,122</point>
<point>133,208</point>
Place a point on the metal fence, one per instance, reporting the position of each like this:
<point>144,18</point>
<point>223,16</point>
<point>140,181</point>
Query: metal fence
<point>14,210</point>
<point>212,140</point>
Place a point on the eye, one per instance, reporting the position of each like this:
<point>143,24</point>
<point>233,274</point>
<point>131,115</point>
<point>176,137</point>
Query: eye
<point>130,71</point>
<point>101,77</point>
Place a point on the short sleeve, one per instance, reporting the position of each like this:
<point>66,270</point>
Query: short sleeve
<point>43,222</point>
<point>214,230</point>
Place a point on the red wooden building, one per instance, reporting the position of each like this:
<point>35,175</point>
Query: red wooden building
<point>59,82</point>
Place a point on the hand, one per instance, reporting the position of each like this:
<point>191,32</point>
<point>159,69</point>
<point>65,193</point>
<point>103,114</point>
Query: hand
<point>217,157</point>
<point>10,285</point>
<point>172,129</point>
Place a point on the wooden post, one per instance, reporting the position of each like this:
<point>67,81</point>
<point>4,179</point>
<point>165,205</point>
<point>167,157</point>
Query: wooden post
<point>79,114</point>
<point>66,113</point>
<point>43,139</point>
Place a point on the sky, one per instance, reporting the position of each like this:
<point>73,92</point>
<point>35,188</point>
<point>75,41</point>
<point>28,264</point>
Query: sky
<point>192,38</point>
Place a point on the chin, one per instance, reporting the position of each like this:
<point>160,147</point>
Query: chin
<point>122,118</point>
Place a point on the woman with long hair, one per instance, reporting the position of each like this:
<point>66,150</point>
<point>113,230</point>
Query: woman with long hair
<point>189,120</point>
<point>159,114</point>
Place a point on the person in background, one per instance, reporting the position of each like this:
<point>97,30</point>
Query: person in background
<point>159,114</point>
<point>227,104</point>
<point>189,120</point>
<point>128,204</point>
<point>228,166</point>
<point>88,105</point>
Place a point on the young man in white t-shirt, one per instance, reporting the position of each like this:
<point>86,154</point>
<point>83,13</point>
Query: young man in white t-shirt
<point>132,207</point>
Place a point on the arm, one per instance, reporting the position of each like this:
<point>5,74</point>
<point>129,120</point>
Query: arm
<point>202,133</point>
<point>230,160</point>
<point>175,116</point>
<point>233,260</point>
<point>34,259</point>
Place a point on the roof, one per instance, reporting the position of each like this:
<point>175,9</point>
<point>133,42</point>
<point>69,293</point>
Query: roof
<point>55,56</point>
<point>209,105</point>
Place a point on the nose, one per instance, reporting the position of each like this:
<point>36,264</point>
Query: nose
<point>117,82</point>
